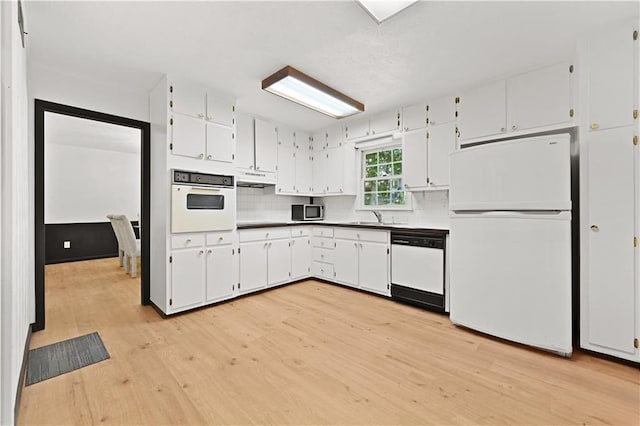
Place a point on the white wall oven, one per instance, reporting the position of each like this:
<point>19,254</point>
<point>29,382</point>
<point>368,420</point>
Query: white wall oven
<point>202,202</point>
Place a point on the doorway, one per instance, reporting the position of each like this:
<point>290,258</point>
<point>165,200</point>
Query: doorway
<point>41,110</point>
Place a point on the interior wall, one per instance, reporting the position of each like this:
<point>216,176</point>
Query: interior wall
<point>17,227</point>
<point>85,184</point>
<point>263,205</point>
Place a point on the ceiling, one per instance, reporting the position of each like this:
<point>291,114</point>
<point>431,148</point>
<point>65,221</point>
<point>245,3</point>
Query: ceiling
<point>430,49</point>
<point>66,130</point>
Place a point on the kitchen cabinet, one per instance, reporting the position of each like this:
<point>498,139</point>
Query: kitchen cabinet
<point>381,124</point>
<point>322,252</point>
<point>187,136</point>
<point>345,262</point>
<point>253,266</point>
<point>188,99</point>
<point>610,79</point>
<point>334,137</point>
<point>286,176</point>
<point>294,175</point>
<point>266,145</point>
<point>278,261</point>
<point>540,98</point>
<point>414,160</point>
<point>482,111</point>
<point>265,258</point>
<point>244,142</point>
<point>304,169</point>
<point>334,171</point>
<point>373,267</point>
<point>300,253</point>
<point>257,150</point>
<point>415,116</point>
<point>187,278</point>
<point>442,110</point>
<point>219,143</point>
<point>220,109</point>
<point>319,172</point>
<point>441,142</point>
<point>221,266</point>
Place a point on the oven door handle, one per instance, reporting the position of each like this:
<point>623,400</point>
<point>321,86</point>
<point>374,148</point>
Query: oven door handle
<point>203,191</point>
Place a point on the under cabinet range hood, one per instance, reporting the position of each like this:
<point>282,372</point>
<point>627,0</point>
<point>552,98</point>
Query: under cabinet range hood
<point>248,184</point>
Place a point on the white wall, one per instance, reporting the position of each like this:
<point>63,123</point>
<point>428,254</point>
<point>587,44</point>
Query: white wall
<point>85,184</point>
<point>262,205</point>
<point>16,198</point>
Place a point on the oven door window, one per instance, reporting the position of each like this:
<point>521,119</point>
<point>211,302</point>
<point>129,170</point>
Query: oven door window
<point>205,202</point>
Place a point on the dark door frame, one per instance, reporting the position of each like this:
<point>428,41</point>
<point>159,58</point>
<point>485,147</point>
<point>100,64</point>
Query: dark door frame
<point>145,168</point>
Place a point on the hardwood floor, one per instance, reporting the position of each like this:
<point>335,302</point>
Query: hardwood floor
<point>308,353</point>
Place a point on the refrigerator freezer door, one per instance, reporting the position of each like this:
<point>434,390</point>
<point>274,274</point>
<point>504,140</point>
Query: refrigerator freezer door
<point>511,276</point>
<point>520,174</point>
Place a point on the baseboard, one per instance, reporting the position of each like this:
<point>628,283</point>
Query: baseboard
<point>78,259</point>
<point>22,377</point>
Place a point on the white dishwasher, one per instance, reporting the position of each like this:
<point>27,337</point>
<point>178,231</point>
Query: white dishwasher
<point>418,268</point>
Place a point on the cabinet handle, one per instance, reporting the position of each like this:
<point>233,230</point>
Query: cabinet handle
<point>358,235</point>
<point>595,228</point>
<point>265,245</point>
<point>201,252</point>
<point>269,244</point>
<point>200,115</point>
<point>360,245</point>
<point>595,126</point>
<point>502,129</point>
<point>251,167</point>
<point>514,127</point>
<point>209,157</point>
<point>209,251</point>
<point>209,117</point>
<point>188,240</point>
<point>201,156</point>
<point>355,245</point>
<point>406,129</point>
<point>220,238</point>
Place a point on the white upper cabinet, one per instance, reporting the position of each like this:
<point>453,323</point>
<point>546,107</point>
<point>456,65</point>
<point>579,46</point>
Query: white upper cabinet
<point>334,173</point>
<point>540,98</point>
<point>266,143</point>
<point>220,109</point>
<point>286,138</point>
<point>334,136</point>
<point>319,174</point>
<point>441,143</point>
<point>187,136</point>
<point>442,110</point>
<point>385,123</point>
<point>482,111</point>
<point>610,84</point>
<point>220,143</point>
<point>304,170</point>
<point>415,117</point>
<point>286,178</point>
<point>245,149</point>
<point>414,160</point>
<point>188,99</point>
<point>357,129</point>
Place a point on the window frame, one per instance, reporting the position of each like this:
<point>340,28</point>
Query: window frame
<point>362,176</point>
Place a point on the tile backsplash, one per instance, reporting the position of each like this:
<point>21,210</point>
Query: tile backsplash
<point>430,209</point>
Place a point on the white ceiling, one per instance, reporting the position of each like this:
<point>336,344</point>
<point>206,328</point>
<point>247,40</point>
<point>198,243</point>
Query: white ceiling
<point>429,50</point>
<point>66,130</point>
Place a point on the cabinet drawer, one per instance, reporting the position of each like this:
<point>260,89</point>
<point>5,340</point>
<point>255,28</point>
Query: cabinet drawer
<point>323,242</point>
<point>321,231</point>
<point>322,270</point>
<point>220,238</point>
<point>264,234</point>
<point>302,231</point>
<point>362,235</point>
<point>322,255</point>
<point>186,241</point>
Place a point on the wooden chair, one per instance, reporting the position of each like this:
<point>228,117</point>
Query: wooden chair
<point>130,245</point>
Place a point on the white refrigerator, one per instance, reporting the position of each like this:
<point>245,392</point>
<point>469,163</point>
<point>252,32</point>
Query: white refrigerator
<point>510,240</point>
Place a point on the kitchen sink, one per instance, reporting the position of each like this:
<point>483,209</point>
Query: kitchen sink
<point>368,223</point>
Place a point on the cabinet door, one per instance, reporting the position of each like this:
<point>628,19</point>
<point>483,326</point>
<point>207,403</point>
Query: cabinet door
<point>286,178</point>
<point>334,136</point>
<point>357,129</point>
<point>610,82</point>
<point>220,143</point>
<point>414,117</point>
<point>220,109</point>
<point>414,159</point>
<point>188,135</point>
<point>187,278</point>
<point>345,263</point>
<point>244,142</point>
<point>385,123</point>
<point>253,266</point>
<point>482,111</point>
<point>335,170</point>
<point>300,257</point>
<point>188,99</point>
<point>373,267</point>
<point>350,167</point>
<point>266,146</point>
<point>319,172</point>
<point>304,171</point>
<point>279,262</point>
<point>442,110</point>
<point>441,143</point>
<point>610,286</point>
<point>286,137</point>
<point>220,277</point>
<point>540,98</point>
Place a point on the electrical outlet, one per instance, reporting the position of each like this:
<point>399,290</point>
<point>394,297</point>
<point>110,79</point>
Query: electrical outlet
<point>67,244</point>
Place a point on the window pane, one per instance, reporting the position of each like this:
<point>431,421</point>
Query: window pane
<point>384,170</point>
<point>372,158</point>
<point>385,156</point>
<point>369,185</point>
<point>397,154</point>
<point>397,198</point>
<point>396,184</point>
<point>383,185</point>
<point>372,171</point>
<point>397,169</point>
<point>369,199</point>
<point>383,198</point>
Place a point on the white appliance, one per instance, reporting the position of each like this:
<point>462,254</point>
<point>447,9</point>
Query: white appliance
<point>510,240</point>
<point>202,202</point>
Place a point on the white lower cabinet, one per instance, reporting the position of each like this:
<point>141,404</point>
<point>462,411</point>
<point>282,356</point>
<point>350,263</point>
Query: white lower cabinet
<point>187,278</point>
<point>221,273</point>
<point>373,267</point>
<point>300,257</point>
<point>253,266</point>
<point>345,264</point>
<point>278,262</point>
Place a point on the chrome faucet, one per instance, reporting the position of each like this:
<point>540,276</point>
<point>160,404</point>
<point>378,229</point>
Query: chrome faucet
<point>378,215</point>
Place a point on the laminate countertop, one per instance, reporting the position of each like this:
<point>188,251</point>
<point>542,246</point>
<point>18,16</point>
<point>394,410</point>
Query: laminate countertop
<point>355,224</point>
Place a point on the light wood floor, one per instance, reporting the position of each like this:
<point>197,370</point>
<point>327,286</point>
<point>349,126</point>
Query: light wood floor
<point>308,353</point>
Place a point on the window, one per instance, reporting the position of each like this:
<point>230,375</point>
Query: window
<point>382,178</point>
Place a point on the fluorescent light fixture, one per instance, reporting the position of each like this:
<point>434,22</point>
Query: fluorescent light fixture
<point>381,10</point>
<point>298,87</point>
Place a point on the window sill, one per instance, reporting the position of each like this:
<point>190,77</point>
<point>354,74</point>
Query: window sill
<point>384,208</point>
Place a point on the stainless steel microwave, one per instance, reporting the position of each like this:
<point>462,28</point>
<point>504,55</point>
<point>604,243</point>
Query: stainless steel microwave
<point>307,212</point>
